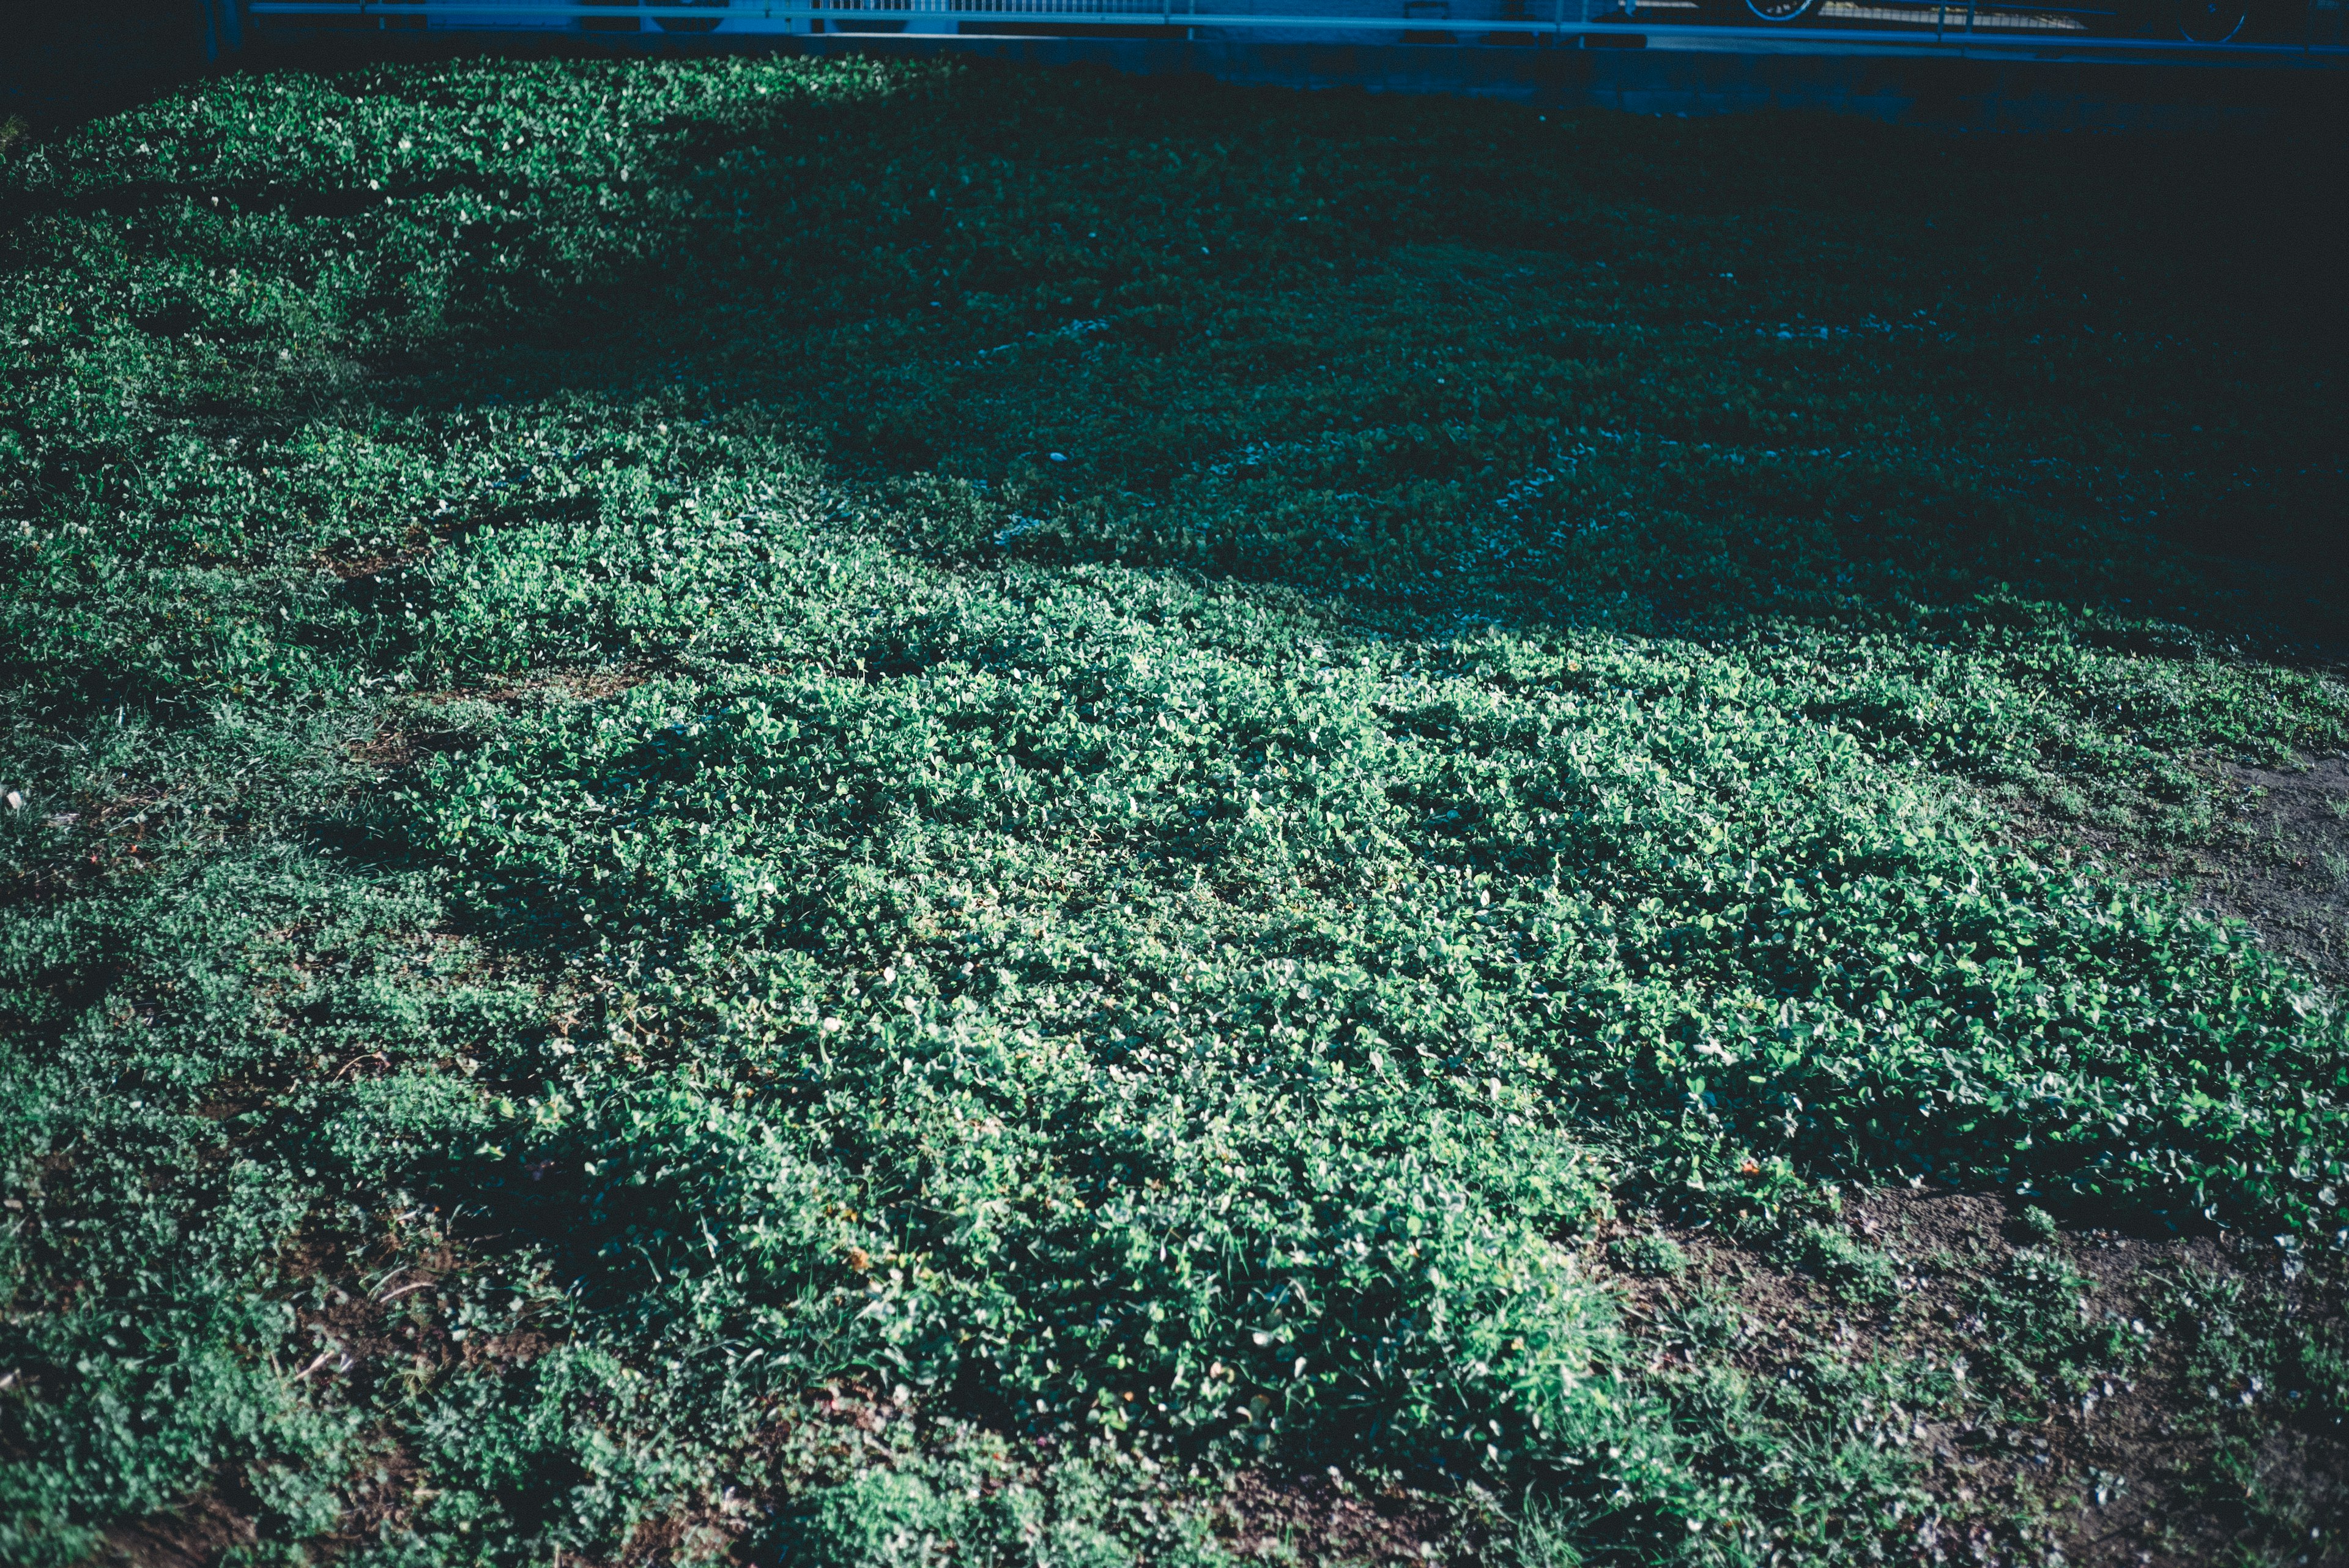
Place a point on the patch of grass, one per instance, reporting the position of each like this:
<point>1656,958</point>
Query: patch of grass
<point>2039,1324</point>
<point>1659,1257</point>
<point>1857,1273</point>
<point>775,804</point>
<point>981,1507</point>
<point>2262,1377</point>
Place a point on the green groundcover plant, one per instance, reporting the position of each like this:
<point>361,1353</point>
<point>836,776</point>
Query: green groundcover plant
<point>806,808</point>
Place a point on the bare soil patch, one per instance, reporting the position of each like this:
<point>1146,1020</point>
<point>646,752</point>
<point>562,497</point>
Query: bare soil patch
<point>1326,1518</point>
<point>2136,1471</point>
<point>196,1534</point>
<point>2290,878</point>
<point>2279,860</point>
<point>428,724</point>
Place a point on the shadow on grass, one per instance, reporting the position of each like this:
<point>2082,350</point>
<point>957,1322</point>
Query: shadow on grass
<point>1916,365</point>
<point>1841,364</point>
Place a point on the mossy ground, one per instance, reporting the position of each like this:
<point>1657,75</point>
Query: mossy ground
<point>855,813</point>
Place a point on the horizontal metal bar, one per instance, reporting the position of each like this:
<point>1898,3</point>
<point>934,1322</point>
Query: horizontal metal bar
<point>754,17</point>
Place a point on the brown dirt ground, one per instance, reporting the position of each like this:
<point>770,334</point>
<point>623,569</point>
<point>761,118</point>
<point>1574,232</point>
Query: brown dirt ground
<point>1321,1521</point>
<point>418,726</point>
<point>2128,1431</point>
<point>2291,880</point>
<point>195,1535</point>
<point>2279,860</point>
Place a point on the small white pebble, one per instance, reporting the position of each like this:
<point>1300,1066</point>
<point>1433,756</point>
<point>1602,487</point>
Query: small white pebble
<point>15,801</point>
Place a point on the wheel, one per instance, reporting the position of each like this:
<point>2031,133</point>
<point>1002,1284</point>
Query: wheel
<point>1783,13</point>
<point>2211,21</point>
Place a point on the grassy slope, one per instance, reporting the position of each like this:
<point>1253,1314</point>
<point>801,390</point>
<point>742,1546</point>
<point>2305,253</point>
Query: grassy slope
<point>735,771</point>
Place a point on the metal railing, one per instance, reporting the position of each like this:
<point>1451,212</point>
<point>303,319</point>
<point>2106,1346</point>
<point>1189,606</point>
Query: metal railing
<point>1938,26</point>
